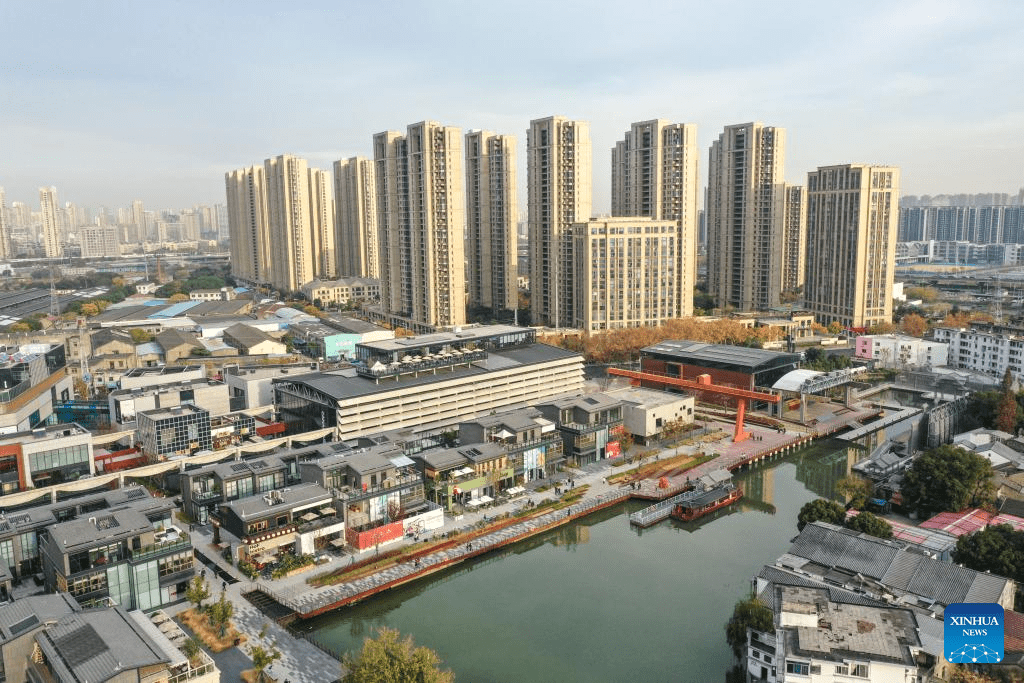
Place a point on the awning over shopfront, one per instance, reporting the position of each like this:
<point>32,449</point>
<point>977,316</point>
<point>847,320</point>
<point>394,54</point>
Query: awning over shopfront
<point>474,502</point>
<point>515,490</point>
<point>486,499</point>
<point>309,517</point>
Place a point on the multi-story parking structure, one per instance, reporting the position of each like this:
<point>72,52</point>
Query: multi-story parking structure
<point>429,381</point>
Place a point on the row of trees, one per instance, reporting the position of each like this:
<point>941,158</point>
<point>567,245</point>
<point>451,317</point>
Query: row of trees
<point>622,345</point>
<point>822,510</point>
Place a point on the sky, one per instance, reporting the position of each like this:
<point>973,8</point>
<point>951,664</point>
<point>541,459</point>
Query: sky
<point>114,101</point>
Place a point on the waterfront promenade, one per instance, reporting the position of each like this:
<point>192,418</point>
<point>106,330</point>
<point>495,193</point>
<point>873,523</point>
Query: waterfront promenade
<point>302,662</point>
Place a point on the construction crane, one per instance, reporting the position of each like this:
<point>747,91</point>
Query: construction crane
<point>703,383</point>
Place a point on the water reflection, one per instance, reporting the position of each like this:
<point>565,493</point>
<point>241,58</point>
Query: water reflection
<point>598,600</point>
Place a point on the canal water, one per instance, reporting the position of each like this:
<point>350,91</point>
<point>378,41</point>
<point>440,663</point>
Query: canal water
<point>598,600</point>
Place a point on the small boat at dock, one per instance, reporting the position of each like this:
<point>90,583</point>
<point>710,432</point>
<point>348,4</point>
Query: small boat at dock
<point>720,496</point>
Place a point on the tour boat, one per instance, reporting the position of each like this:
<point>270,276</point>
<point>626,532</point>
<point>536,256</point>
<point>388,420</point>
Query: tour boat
<point>706,502</point>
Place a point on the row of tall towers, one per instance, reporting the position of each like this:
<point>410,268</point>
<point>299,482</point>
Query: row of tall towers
<point>433,215</point>
<point>834,237</point>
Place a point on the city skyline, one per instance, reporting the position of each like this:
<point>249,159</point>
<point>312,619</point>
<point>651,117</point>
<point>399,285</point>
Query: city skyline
<point>158,113</point>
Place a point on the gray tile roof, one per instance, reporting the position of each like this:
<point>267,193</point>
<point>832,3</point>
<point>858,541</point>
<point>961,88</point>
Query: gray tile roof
<point>298,496</point>
<point>247,335</point>
<point>20,616</point>
<point>100,526</point>
<point>97,645</point>
<point>899,570</point>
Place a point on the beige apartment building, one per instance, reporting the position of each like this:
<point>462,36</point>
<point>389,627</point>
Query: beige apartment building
<point>99,242</point>
<point>247,224</point>
<point>49,215</point>
<point>5,228</point>
<point>355,203</point>
<point>852,223</point>
<point>625,273</point>
<point>794,241</point>
<point>422,223</point>
<point>289,222</point>
<point>654,174</point>
<point>744,212</point>
<point>281,223</point>
<point>491,214</point>
<point>558,170</point>
<point>321,213</point>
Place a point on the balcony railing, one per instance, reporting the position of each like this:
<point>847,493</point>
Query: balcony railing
<point>407,367</point>
<point>147,551</point>
<point>393,483</point>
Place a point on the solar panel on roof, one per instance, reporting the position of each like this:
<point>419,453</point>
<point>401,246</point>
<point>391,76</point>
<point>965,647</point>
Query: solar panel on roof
<point>19,627</point>
<point>80,645</point>
<point>18,519</point>
<point>239,467</point>
<point>133,494</point>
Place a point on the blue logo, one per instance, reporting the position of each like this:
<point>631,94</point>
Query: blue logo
<point>973,633</point>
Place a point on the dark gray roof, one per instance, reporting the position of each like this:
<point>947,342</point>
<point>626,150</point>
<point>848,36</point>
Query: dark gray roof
<point>443,459</point>
<point>345,384</point>
<point>350,325</point>
<point>234,469</point>
<point>247,336</point>
<point>20,616</point>
<point>97,645</point>
<point>298,496</point>
<point>780,577</point>
<point>832,546</point>
<point>97,527</point>
<point>172,338</point>
<point>898,570</point>
<point>721,355</point>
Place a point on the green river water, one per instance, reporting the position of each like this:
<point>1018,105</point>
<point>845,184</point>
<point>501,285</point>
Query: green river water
<point>598,600</point>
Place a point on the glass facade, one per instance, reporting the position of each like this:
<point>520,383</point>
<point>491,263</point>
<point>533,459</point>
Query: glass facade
<point>59,464</point>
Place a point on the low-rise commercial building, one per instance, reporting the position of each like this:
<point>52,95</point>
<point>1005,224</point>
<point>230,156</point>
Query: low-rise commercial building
<point>125,404</point>
<point>45,456</point>
<point>251,386</point>
<point>299,519</point>
<point>118,554</point>
<point>153,376</point>
<point>591,426</point>
<point>251,341</point>
<point>32,378</point>
<point>342,291</point>
<point>897,351</point>
<point>817,639</point>
<point>180,430</point>
<point>531,441</point>
<point>646,413</point>
<point>467,476</point>
<point>204,489</point>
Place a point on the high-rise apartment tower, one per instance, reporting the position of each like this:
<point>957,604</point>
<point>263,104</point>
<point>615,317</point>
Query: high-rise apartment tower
<point>794,241</point>
<point>355,204</point>
<point>852,223</point>
<point>654,175</point>
<point>49,215</point>
<point>745,209</point>
<point>558,170</point>
<point>491,240</point>
<point>421,222</point>
<point>247,224</point>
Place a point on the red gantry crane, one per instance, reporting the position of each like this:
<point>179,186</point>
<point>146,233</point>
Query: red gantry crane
<point>703,383</point>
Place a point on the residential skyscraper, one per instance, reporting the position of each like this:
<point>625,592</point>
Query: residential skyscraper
<point>5,227</point>
<point>625,272</point>
<point>289,223</point>
<point>48,216</point>
<point>852,222</point>
<point>355,206</point>
<point>558,170</point>
<point>794,241</point>
<point>654,174</point>
<point>321,214</point>
<point>745,210</point>
<point>249,240</point>
<point>491,215</point>
<point>422,223</point>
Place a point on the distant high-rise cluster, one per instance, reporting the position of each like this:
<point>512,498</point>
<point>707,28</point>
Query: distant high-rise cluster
<point>433,214</point>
